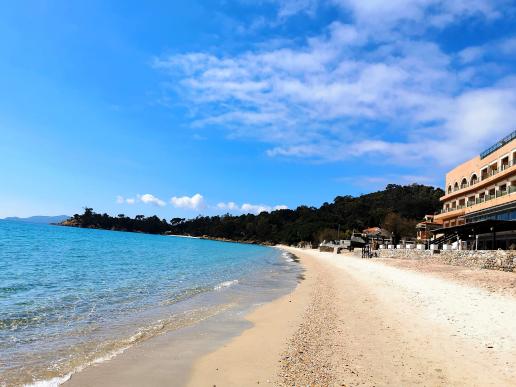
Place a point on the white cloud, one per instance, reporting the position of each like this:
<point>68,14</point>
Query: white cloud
<point>231,206</point>
<point>196,202</point>
<point>248,208</point>
<point>380,14</point>
<point>255,208</point>
<point>471,54</point>
<point>122,200</point>
<point>505,47</point>
<point>508,46</point>
<point>384,15</point>
<point>292,7</point>
<point>353,92</point>
<point>151,199</point>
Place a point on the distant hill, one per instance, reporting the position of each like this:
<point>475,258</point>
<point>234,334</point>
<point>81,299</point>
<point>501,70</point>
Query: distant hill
<point>396,208</point>
<point>40,219</point>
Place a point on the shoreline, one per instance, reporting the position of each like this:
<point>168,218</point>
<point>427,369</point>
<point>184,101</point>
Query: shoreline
<point>363,322</point>
<point>350,321</point>
<point>202,237</point>
<point>253,356</point>
<point>170,355</point>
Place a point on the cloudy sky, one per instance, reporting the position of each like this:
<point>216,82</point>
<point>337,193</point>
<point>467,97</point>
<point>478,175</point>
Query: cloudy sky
<point>188,107</point>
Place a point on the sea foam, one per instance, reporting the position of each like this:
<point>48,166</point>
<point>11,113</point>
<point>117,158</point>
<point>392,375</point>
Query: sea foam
<point>225,284</point>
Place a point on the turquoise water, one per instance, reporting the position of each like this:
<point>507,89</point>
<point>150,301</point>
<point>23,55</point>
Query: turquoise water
<point>70,297</point>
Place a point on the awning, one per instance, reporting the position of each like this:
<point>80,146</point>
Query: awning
<point>475,228</point>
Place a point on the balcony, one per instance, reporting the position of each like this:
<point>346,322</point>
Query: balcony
<point>446,210</point>
<point>499,194</point>
<point>471,203</point>
<point>490,197</point>
<point>494,172</point>
<point>484,176</point>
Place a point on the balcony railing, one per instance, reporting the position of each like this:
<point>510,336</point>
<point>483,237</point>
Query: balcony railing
<point>503,167</point>
<point>445,210</point>
<point>486,175</point>
<point>498,145</point>
<point>499,193</point>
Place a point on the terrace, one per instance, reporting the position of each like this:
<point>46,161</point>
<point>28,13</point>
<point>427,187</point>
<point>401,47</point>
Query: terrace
<point>489,174</point>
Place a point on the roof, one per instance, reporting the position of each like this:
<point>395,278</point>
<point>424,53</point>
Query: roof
<point>428,223</point>
<point>377,231</point>
<point>357,239</point>
<point>498,145</point>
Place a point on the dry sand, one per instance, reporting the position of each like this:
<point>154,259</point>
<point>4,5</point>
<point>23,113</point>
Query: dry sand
<point>351,322</point>
<point>360,322</point>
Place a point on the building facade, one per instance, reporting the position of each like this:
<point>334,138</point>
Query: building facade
<point>483,188</point>
<point>425,228</point>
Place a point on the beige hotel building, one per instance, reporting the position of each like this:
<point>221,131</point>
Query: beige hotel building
<point>481,193</point>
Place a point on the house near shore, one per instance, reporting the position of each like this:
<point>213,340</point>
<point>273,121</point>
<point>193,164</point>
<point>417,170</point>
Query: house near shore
<point>479,205</point>
<point>425,228</point>
<point>377,233</point>
<point>377,236</point>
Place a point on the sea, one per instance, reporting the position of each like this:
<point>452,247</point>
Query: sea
<point>71,297</point>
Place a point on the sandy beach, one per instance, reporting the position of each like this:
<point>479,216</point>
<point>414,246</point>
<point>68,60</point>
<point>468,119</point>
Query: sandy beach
<point>362,322</point>
<point>351,322</point>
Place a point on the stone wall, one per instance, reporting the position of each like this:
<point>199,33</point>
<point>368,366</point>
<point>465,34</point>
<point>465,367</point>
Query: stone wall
<point>482,259</point>
<point>326,248</point>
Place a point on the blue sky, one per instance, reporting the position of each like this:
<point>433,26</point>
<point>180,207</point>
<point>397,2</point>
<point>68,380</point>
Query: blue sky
<point>188,107</point>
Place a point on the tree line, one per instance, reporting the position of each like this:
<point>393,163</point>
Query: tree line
<point>397,208</point>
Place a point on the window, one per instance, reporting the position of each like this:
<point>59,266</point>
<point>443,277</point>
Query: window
<point>484,174</point>
<point>481,197</point>
<point>456,187</point>
<point>504,164</point>
<point>464,183</point>
<point>474,179</point>
<point>449,189</point>
<point>502,216</point>
<point>502,190</point>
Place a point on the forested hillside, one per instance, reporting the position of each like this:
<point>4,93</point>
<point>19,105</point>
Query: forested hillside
<point>396,208</point>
